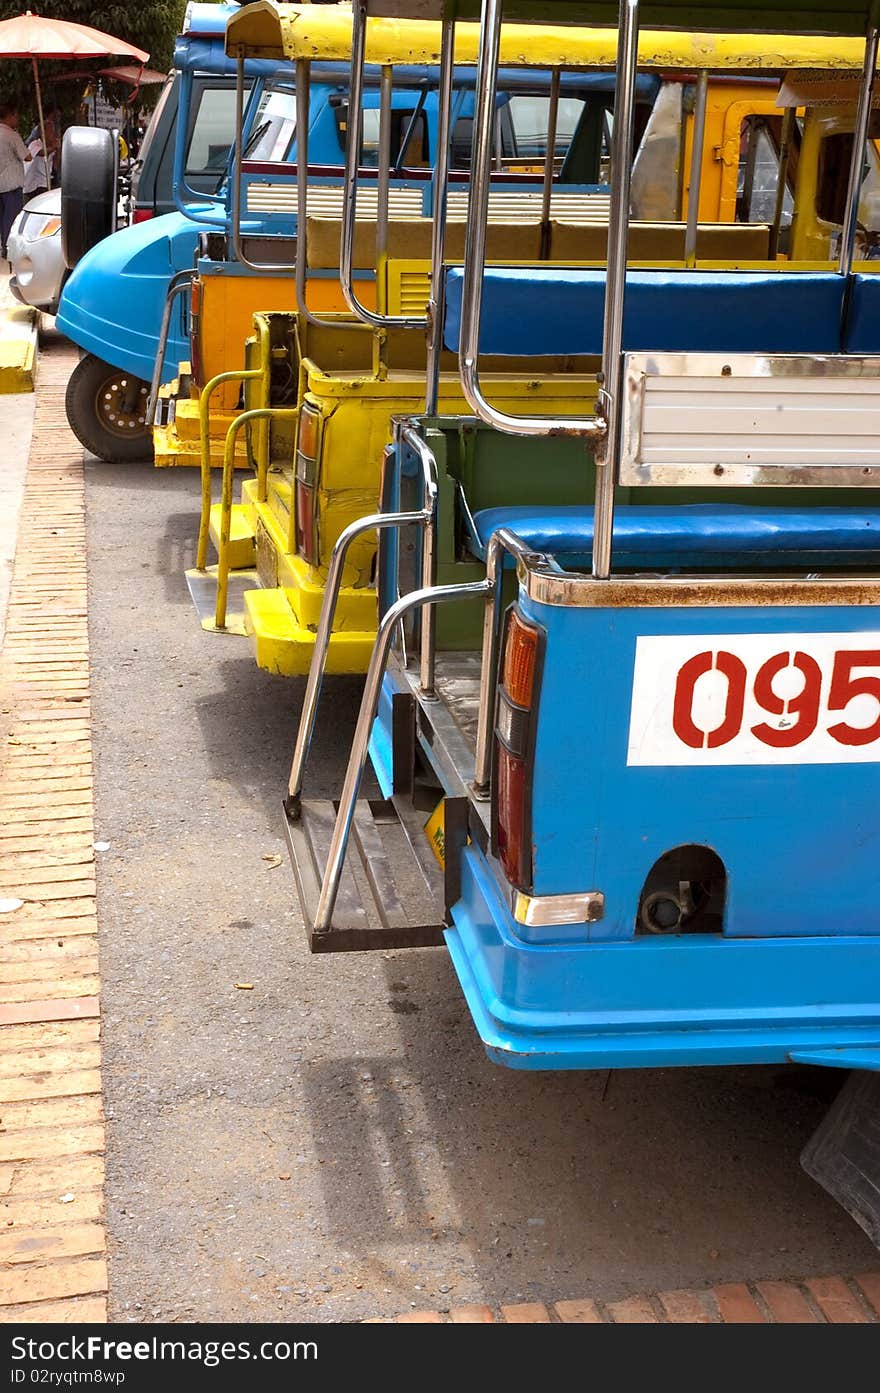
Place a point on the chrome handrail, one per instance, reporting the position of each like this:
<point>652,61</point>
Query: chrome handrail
<point>303,68</point>
<point>210,387</point>
<point>265,268</point>
<point>860,136</point>
<point>436,294</point>
<point>178,283</point>
<point>281,413</point>
<point>425,516</point>
<point>440,594</point>
<point>549,163</point>
<point>352,161</point>
<point>475,254</point>
<point>611,390</point>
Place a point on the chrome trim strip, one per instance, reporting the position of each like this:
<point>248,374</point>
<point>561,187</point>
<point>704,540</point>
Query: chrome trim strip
<point>500,542</point>
<point>546,584</point>
<point>544,911</point>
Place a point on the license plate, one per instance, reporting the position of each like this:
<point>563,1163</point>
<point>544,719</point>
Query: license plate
<point>708,699</point>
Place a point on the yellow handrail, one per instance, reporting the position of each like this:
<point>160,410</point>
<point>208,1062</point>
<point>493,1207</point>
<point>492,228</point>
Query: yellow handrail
<point>237,375</point>
<point>281,413</point>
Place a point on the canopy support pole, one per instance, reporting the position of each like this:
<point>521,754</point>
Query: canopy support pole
<point>697,143</point>
<point>41,121</point>
<point>860,136</point>
<point>615,287</point>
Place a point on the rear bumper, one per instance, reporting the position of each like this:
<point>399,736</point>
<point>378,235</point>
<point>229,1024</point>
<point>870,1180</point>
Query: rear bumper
<point>653,1002</point>
<point>281,610</point>
<point>175,443</point>
<point>282,644</point>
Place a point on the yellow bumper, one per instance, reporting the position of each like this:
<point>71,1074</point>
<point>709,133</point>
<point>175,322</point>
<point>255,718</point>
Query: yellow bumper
<point>282,619</point>
<point>282,645</point>
<point>178,443</point>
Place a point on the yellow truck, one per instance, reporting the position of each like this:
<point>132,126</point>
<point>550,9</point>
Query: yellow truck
<point>227,291</point>
<point>319,397</point>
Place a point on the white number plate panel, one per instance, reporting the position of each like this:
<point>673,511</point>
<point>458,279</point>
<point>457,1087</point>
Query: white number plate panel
<point>708,699</point>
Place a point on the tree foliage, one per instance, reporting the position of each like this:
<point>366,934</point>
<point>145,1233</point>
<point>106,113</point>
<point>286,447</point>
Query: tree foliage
<point>151,25</point>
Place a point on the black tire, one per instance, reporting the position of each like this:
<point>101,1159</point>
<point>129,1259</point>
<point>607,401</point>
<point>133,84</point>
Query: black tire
<point>106,409</point>
<point>88,190</point>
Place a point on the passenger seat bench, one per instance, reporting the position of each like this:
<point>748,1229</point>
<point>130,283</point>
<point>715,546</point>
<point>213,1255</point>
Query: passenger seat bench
<point>661,537</point>
<point>705,404</point>
<point>409,239</point>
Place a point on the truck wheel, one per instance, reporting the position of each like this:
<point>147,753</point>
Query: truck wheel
<point>107,411</point>
<point>88,190</point>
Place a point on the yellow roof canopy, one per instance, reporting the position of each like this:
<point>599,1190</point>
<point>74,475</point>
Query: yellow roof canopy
<point>323,33</point>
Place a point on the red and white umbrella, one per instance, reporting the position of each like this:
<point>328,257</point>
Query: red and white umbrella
<point>35,37</point>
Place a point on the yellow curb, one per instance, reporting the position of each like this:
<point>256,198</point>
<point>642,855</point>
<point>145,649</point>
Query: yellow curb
<point>18,348</point>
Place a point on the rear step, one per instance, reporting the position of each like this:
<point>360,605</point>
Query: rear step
<point>391,894</point>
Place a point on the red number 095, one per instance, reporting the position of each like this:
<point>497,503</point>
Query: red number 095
<point>800,712</point>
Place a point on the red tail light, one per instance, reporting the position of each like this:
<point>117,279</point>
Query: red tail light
<point>514,750</point>
<point>142,215</point>
<point>308,450</point>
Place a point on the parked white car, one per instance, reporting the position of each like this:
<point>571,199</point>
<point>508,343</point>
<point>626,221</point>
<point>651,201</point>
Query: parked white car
<point>34,249</point>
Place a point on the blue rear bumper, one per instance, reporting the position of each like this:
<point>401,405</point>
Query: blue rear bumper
<point>656,1001</point>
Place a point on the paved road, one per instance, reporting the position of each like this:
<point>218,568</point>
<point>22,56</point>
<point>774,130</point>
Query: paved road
<point>333,1144</point>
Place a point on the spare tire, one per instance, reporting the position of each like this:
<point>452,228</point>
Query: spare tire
<point>88,190</point>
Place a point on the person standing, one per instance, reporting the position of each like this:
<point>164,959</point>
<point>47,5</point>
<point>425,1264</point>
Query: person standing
<point>14,155</point>
<point>40,174</point>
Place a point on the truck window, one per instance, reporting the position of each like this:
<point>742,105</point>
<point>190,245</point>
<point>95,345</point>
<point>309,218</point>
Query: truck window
<point>273,128</point>
<point>415,156</point>
<point>155,120</point>
<point>530,116</point>
<point>212,131</point>
<point>835,153</point>
<point>758,173</point>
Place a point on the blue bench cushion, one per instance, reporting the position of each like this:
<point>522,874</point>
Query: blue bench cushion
<point>696,533</point>
<point>559,311</point>
<point>862,333</point>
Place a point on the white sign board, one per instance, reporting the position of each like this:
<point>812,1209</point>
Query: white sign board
<point>755,699</point>
<point>109,118</point>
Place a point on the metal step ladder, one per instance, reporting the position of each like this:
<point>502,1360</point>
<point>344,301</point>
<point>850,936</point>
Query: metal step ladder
<point>391,892</point>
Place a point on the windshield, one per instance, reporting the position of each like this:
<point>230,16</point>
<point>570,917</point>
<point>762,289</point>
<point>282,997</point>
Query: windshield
<point>274,127</point>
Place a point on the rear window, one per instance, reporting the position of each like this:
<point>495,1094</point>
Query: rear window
<point>406,124</point>
<point>212,131</point>
<point>155,120</point>
<point>530,116</point>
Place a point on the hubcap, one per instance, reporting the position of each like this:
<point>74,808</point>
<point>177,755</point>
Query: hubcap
<point>122,405</point>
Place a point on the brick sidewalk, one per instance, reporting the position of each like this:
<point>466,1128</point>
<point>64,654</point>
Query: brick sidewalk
<point>52,1247</point>
<point>815,1300</point>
